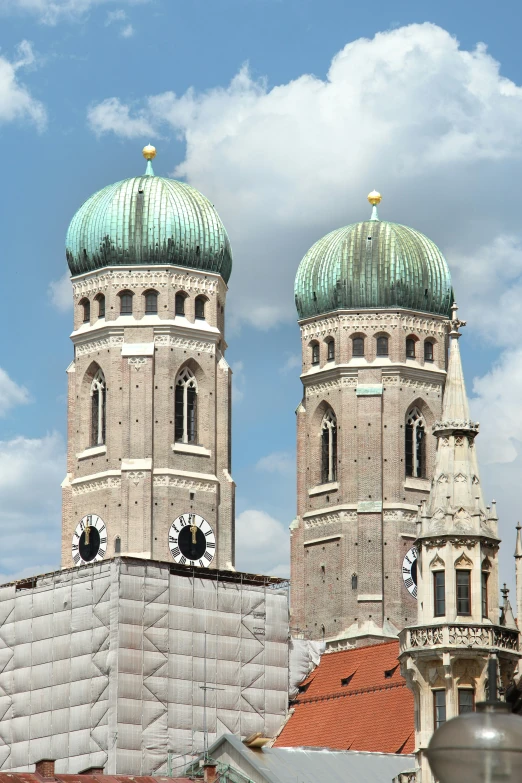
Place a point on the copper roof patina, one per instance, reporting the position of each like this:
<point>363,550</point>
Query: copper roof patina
<point>373,264</point>
<point>148,220</point>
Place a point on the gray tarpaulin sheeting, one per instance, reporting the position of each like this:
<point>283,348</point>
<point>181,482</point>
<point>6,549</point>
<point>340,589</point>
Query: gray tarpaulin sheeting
<point>104,665</point>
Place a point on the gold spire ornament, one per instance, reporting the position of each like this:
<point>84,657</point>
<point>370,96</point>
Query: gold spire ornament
<point>374,197</point>
<point>149,153</point>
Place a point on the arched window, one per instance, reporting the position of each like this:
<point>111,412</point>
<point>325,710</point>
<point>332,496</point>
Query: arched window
<point>98,409</point>
<point>382,346</point>
<point>126,302</point>
<point>354,581</point>
<point>410,348</point>
<point>117,545</point>
<point>186,407</point>
<point>101,305</point>
<point>415,447</point>
<point>180,303</point>
<point>315,353</point>
<point>200,308</point>
<point>329,447</point>
<point>151,302</point>
<point>86,305</point>
<point>358,346</point>
<point>428,351</point>
<point>330,344</point>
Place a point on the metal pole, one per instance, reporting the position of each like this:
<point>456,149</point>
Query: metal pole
<point>492,679</point>
<point>205,732</point>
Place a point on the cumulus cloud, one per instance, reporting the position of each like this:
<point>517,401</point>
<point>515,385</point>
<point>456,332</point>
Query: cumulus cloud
<point>16,101</point>
<point>60,293</point>
<point>262,544</point>
<point>126,30</point>
<point>32,516</point>
<point>281,462</point>
<point>53,11</point>
<point>112,115</point>
<point>11,394</point>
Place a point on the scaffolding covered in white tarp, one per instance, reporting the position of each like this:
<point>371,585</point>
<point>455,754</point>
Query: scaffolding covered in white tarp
<point>124,664</point>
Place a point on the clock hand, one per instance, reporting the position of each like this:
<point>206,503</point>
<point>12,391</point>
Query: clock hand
<point>193,530</point>
<point>87,534</point>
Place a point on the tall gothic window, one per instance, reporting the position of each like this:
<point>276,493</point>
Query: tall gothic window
<point>358,346</point>
<point>86,305</point>
<point>329,447</point>
<point>485,602</point>
<point>315,353</point>
<point>98,409</point>
<point>101,305</point>
<point>415,446</point>
<point>200,308</point>
<point>463,591</point>
<point>382,346</point>
<point>180,303</point>
<point>410,348</point>
<point>185,413</point>
<point>428,351</point>
<point>151,302</point>
<point>331,349</point>
<point>126,302</point>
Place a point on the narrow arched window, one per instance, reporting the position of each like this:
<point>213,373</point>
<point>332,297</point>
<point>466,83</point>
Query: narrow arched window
<point>180,303</point>
<point>86,307</point>
<point>354,581</point>
<point>186,407</point>
<point>410,348</point>
<point>151,302</point>
<point>382,346</point>
<point>200,308</point>
<point>101,305</point>
<point>328,447</point>
<point>315,353</point>
<point>98,409</point>
<point>428,351</point>
<point>117,545</point>
<point>415,446</point>
<point>331,350</point>
<point>126,302</point>
<point>358,346</point>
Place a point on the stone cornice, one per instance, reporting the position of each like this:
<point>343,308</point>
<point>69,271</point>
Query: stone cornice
<point>452,636</point>
<point>145,277</point>
<point>375,320</point>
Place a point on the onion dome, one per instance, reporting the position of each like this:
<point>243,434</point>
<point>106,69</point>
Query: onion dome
<point>374,264</point>
<point>148,220</point>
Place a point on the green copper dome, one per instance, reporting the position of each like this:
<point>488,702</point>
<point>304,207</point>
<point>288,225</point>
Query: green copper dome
<point>370,265</point>
<point>148,220</point>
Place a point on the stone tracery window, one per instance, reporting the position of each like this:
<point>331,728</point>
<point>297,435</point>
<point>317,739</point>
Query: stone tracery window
<point>186,407</point>
<point>415,445</point>
<point>329,447</point>
<point>98,409</point>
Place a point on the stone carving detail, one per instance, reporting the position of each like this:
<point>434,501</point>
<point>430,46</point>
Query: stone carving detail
<point>442,479</point>
<point>506,639</point>
<point>396,380</point>
<point>320,388</point>
<point>459,478</point>
<point>400,516</point>
<point>99,345</point>
<point>425,637</point>
<point>329,519</point>
<point>429,543</point>
<point>464,561</point>
<point>183,342</point>
<point>181,483</point>
<point>437,562</point>
<point>138,278</point>
<point>110,482</point>
<point>137,362</point>
<point>469,636</point>
<point>136,476</point>
<point>374,322</point>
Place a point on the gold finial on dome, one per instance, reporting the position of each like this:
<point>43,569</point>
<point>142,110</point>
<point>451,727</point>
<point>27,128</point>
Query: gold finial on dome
<point>374,198</point>
<point>149,153</point>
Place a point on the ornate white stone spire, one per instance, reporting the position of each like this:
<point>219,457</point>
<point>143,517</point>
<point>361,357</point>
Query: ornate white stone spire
<point>455,501</point>
<point>518,566</point>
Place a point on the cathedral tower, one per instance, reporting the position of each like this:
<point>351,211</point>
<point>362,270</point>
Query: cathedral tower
<point>148,466</point>
<point>373,300</point>
<point>444,655</point>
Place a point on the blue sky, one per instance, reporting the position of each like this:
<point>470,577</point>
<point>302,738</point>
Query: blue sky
<point>285,113</point>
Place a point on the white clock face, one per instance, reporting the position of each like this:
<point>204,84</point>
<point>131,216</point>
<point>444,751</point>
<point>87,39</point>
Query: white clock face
<point>192,540</point>
<point>409,571</point>
<point>89,542</point>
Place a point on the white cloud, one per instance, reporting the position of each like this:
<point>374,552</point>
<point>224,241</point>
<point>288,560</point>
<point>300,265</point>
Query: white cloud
<point>112,115</point>
<point>16,101</point>
<point>293,361</point>
<point>60,293</point>
<point>53,11</point>
<point>278,462</point>
<point>30,474</point>
<point>11,394</point>
<point>126,30</point>
<point>262,544</point>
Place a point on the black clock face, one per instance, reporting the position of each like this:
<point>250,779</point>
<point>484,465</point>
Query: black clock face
<point>192,540</point>
<point>89,542</point>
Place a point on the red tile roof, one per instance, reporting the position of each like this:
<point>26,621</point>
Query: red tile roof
<point>354,700</point>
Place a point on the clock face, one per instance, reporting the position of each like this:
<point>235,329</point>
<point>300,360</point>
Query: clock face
<point>192,540</point>
<point>89,542</point>
<point>409,571</point>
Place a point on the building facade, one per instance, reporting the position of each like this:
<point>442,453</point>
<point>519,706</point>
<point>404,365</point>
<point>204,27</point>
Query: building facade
<point>444,655</point>
<point>148,461</point>
<point>373,301</point>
